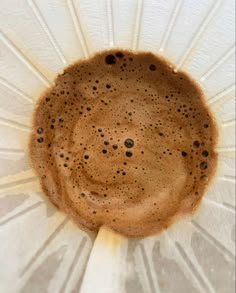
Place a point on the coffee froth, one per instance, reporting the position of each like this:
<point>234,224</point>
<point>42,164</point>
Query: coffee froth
<point>122,140</point>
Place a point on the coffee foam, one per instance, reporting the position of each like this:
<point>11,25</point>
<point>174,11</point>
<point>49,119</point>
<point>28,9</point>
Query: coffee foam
<point>122,140</point>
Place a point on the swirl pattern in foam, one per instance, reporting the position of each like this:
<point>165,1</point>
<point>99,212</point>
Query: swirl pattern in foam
<point>122,140</point>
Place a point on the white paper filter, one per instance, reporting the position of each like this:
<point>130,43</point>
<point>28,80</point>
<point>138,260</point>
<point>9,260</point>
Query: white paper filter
<point>42,250</point>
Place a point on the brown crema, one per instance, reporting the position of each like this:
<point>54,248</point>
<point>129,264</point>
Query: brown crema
<point>122,140</point>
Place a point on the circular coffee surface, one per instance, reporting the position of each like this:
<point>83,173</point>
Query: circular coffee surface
<point>122,140</point>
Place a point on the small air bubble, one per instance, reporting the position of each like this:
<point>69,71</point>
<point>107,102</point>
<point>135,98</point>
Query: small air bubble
<point>152,67</point>
<point>203,165</point>
<point>40,130</point>
<point>204,178</point>
<point>119,54</point>
<point>205,153</point>
<point>110,59</point>
<point>129,143</point>
<point>129,154</point>
<point>196,143</point>
<point>40,139</point>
